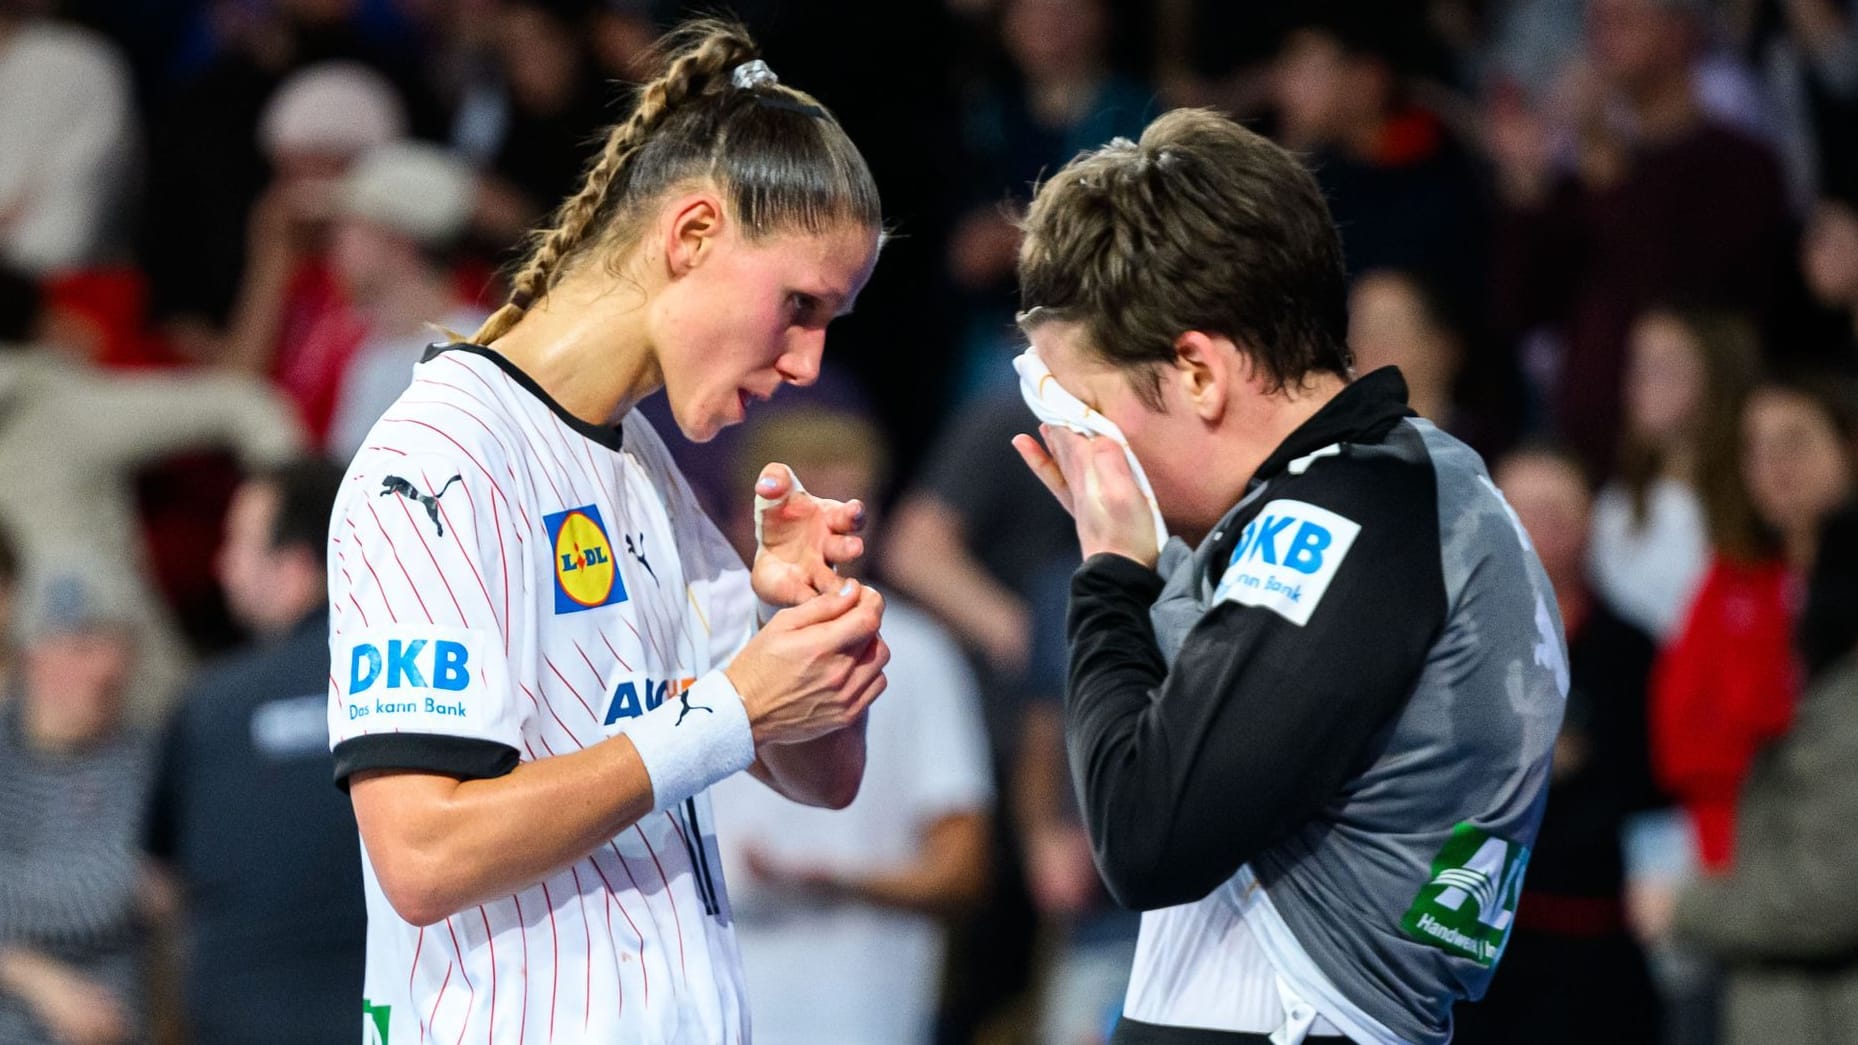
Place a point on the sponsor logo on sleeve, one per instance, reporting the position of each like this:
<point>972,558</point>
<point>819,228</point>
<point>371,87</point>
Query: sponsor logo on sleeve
<point>413,679</point>
<point>1468,905</point>
<point>1286,558</point>
<point>585,574</point>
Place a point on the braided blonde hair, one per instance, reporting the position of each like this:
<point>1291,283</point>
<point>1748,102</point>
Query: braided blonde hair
<point>692,121</point>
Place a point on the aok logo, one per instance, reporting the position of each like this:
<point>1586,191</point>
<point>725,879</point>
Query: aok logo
<point>585,574</point>
<point>632,698</point>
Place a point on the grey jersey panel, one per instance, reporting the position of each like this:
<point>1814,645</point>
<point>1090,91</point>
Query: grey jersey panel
<point>1451,793</point>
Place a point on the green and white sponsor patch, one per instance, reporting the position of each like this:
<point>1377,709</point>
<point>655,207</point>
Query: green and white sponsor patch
<point>1467,906</point>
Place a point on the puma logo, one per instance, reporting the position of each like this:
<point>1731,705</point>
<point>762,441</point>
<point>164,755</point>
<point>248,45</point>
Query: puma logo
<point>684,698</point>
<point>639,554</point>
<point>394,484</point>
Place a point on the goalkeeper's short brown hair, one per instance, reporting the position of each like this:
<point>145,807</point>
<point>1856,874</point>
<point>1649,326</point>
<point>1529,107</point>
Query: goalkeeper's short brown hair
<point>1200,226</point>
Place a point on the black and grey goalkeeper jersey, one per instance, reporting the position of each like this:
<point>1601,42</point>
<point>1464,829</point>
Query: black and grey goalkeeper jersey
<point>1331,723</point>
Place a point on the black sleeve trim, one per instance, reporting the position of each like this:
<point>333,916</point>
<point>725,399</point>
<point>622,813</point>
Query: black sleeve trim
<point>466,758</point>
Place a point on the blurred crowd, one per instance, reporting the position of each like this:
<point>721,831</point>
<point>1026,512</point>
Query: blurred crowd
<point>1612,244</point>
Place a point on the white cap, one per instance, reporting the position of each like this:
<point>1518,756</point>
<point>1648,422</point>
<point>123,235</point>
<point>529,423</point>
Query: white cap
<point>421,190</point>
<point>332,107</point>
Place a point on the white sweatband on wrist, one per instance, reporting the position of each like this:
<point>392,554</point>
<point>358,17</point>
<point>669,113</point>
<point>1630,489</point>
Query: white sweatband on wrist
<point>693,740</point>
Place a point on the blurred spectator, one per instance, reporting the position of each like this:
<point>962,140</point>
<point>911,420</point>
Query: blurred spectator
<point>1570,939</point>
<point>1829,258</point>
<point>1659,203</point>
<point>73,893</point>
<point>71,440</point>
<point>1784,920</point>
<point>72,145</point>
<point>532,106</point>
<point>1678,490</point>
<point>1059,98</point>
<point>399,214</point>
<point>623,37</point>
<point>1726,686</point>
<point>292,320</point>
<point>1403,190</point>
<point>840,915</point>
<point>276,925</point>
<point>9,605</point>
<point>974,543</point>
<point>1218,54</point>
<point>1090,939</point>
<point>1399,318</point>
<point>1807,54</point>
<point>971,542</point>
<point>1829,620</point>
<point>207,168</point>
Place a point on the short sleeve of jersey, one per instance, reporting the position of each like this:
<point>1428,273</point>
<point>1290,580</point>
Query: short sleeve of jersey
<point>424,572</point>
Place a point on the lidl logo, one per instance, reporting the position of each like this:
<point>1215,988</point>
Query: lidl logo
<point>585,574</point>
<point>1286,557</point>
<point>632,698</point>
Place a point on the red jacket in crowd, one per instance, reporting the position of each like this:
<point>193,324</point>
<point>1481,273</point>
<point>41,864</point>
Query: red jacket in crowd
<point>1722,690</point>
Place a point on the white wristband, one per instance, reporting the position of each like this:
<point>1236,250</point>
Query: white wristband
<point>693,740</point>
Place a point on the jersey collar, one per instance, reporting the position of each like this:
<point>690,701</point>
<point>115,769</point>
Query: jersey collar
<point>1363,412</point>
<point>606,435</point>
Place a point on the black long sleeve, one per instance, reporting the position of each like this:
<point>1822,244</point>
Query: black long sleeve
<point>1185,772</point>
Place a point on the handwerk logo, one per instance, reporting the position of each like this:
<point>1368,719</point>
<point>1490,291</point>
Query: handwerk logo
<point>1286,557</point>
<point>635,696</point>
<point>1468,905</point>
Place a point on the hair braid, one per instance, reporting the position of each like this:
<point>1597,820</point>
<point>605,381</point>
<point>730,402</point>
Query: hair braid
<point>704,52</point>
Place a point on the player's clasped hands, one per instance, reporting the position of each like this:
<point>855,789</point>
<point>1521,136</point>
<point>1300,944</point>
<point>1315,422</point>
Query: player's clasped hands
<point>818,664</point>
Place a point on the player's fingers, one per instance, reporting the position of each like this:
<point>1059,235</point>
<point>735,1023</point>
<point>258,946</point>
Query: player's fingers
<point>826,606</point>
<point>866,693</point>
<point>844,516</point>
<point>1042,466</point>
<point>843,549</point>
<point>858,625</point>
<point>776,482</point>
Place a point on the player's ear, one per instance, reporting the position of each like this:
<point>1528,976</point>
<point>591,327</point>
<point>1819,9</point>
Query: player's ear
<point>1204,369</point>
<point>690,227</point>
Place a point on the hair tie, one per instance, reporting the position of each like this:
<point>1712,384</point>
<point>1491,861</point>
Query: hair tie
<point>752,74</point>
<point>522,299</point>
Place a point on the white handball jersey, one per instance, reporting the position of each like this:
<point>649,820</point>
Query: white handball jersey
<point>508,583</point>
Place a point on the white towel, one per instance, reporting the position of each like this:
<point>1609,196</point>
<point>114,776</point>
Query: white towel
<point>1055,406</point>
